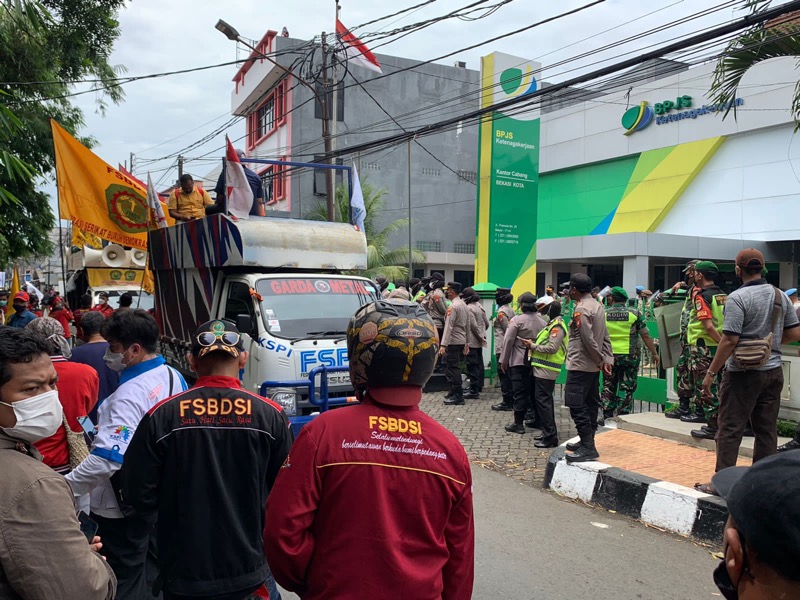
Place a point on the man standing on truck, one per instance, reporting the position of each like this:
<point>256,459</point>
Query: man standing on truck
<point>246,438</point>
<point>188,202</point>
<point>383,467</point>
<point>145,380</point>
<point>256,186</point>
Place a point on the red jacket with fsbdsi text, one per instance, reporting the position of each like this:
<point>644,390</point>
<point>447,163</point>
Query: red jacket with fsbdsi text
<point>373,502</point>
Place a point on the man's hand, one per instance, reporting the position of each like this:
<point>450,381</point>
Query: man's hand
<point>526,342</point>
<point>676,287</point>
<point>442,350</point>
<point>96,545</point>
<point>485,343</point>
<point>607,369</point>
<point>655,360</point>
<point>504,367</point>
<point>708,380</point>
<point>466,349</point>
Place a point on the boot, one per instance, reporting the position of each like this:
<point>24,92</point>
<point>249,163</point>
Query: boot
<point>682,410</point>
<point>449,395</point>
<point>698,416</point>
<point>514,428</point>
<point>587,452</point>
<point>573,446</point>
<point>706,433</point>
<point>532,424</point>
<point>457,399</point>
<point>793,444</point>
<point>502,406</point>
<point>472,394</point>
<point>548,443</point>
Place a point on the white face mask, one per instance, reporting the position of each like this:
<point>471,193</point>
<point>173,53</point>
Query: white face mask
<point>114,360</point>
<point>38,417</point>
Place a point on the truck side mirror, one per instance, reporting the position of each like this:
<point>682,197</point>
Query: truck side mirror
<point>244,324</point>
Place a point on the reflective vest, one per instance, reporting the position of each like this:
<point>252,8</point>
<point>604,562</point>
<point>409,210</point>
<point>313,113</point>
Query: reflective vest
<point>696,330</point>
<point>551,362</point>
<point>620,322</point>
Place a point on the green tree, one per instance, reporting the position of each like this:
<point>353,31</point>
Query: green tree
<point>381,260</point>
<point>771,39</point>
<point>46,49</point>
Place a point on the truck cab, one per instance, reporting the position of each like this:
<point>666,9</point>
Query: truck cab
<point>281,281</point>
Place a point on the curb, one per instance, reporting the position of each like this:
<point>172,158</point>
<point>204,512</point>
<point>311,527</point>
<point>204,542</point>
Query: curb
<point>662,504</point>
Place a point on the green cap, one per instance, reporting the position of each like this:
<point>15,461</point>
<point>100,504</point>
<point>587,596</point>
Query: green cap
<point>618,292</point>
<point>706,265</point>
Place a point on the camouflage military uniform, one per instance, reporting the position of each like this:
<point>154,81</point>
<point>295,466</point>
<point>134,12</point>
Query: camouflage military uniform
<point>707,304</point>
<point>624,377</point>
<point>684,382</point>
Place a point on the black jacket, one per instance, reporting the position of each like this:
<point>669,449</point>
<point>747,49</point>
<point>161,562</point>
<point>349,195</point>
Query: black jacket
<point>205,461</point>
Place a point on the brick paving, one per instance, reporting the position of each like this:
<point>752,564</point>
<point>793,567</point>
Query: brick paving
<point>480,430</point>
<point>657,458</point>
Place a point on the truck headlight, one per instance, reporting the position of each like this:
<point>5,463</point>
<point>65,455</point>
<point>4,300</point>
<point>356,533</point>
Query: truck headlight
<point>287,400</point>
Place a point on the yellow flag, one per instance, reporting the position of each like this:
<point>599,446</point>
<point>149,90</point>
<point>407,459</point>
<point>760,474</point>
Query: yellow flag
<point>96,197</point>
<point>148,284</point>
<point>12,290</point>
<point>80,238</point>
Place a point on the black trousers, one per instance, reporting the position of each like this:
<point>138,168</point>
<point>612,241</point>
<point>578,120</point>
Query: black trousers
<point>520,390</point>
<point>545,407</point>
<point>582,397</point>
<point>475,369</point>
<point>126,542</point>
<point>505,384</point>
<point>452,368</point>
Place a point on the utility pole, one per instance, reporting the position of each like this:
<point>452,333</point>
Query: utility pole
<point>180,166</point>
<point>132,157</point>
<point>410,251</point>
<point>326,130</point>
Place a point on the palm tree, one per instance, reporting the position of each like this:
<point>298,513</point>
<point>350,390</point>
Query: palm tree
<point>380,259</point>
<point>771,39</point>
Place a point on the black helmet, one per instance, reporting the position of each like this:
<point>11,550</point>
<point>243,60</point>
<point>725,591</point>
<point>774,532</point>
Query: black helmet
<point>390,343</point>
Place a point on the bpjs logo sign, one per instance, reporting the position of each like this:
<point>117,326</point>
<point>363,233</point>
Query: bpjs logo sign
<point>638,117</point>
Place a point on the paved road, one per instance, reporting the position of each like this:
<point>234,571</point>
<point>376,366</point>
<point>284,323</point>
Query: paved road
<point>533,545</point>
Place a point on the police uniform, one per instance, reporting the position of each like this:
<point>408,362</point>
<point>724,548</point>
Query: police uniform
<point>588,350</point>
<point>476,340</point>
<point>504,315</point>
<point>707,304</point>
<point>547,357</point>
<point>454,340</point>
<point>625,325</point>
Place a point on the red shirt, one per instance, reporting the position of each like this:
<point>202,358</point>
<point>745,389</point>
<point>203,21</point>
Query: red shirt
<point>78,313</point>
<point>63,316</point>
<point>374,501</point>
<point>103,308</point>
<point>77,391</point>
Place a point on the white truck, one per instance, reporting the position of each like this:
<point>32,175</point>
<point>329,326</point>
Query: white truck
<point>281,281</point>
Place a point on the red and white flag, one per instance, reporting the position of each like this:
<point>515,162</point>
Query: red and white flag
<point>240,194</point>
<point>154,203</point>
<point>356,50</point>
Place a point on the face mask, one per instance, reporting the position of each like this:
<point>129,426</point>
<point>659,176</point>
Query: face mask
<point>114,360</point>
<point>103,301</point>
<point>723,581</point>
<point>38,417</point>
<point>19,307</point>
<point>3,303</point>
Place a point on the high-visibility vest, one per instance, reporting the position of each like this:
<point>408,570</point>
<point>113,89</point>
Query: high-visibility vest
<point>696,330</point>
<point>620,322</point>
<point>551,362</point>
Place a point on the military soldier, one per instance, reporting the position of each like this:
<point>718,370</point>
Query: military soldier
<point>454,342</point>
<point>548,353</point>
<point>683,382</point>
<point>703,335</point>
<point>514,358</point>
<point>476,340</point>
<point>625,327</point>
<point>588,352</point>
<point>503,298</point>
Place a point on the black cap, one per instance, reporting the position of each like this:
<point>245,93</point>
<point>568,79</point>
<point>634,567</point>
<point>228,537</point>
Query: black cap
<point>225,337</point>
<point>764,501</point>
<point>468,292</point>
<point>527,298</point>
<point>455,286</point>
<point>437,276</point>
<point>581,282</point>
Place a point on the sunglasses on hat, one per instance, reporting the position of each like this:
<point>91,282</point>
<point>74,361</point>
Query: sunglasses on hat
<point>228,338</point>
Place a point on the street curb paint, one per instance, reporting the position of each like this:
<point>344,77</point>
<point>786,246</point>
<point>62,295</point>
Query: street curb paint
<point>662,504</point>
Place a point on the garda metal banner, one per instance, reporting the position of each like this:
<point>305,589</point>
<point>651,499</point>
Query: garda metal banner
<point>509,176</point>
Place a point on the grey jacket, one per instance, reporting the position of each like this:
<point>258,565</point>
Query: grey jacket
<point>504,315</point>
<point>589,344</point>
<point>43,554</point>
<point>526,326</point>
<point>478,324</point>
<point>456,324</point>
<point>435,304</point>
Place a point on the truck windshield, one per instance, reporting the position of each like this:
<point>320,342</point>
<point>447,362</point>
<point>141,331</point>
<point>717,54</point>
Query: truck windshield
<point>301,306</point>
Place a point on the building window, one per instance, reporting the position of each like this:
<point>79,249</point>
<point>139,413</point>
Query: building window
<point>320,184</point>
<point>464,247</point>
<point>429,246</point>
<point>467,176</point>
<point>419,273</point>
<point>273,180</point>
<point>431,172</point>
<point>329,99</point>
<point>465,278</point>
<point>268,116</point>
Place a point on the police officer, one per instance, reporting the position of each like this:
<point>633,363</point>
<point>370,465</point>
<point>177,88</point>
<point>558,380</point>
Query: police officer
<point>547,354</point>
<point>454,342</point>
<point>588,352</point>
<point>503,298</point>
<point>514,359</point>
<point>531,417</point>
<point>683,382</point>
<point>435,303</point>
<point>625,327</point>
<point>703,334</point>
<point>476,340</point>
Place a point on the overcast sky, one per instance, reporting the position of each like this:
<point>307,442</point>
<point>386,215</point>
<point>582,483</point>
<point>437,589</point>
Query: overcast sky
<point>161,116</point>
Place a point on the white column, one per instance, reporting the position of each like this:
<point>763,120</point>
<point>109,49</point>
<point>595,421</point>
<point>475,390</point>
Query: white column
<point>635,271</point>
<point>788,276</point>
